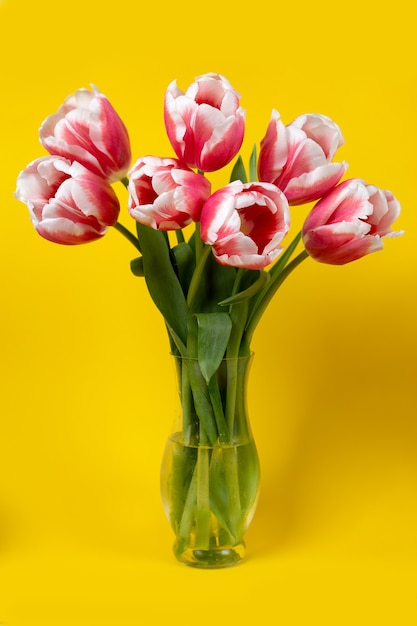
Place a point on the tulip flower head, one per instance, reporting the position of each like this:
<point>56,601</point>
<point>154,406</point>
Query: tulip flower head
<point>164,195</point>
<point>68,204</point>
<point>245,223</point>
<point>350,222</point>
<point>87,129</point>
<point>297,158</point>
<point>205,124</point>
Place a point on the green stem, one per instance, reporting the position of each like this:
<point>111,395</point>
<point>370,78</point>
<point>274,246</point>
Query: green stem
<point>188,513</point>
<point>126,233</point>
<point>187,406</point>
<point>199,245</point>
<point>125,181</point>
<point>202,512</point>
<point>283,260</point>
<point>238,313</point>
<point>216,401</point>
<point>231,391</point>
<point>273,287</point>
<point>195,281</point>
<point>230,460</point>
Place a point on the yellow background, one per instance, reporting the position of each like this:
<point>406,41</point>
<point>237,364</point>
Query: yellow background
<point>87,394</point>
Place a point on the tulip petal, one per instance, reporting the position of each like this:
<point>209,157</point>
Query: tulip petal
<point>65,232</point>
<point>323,131</point>
<point>315,184</point>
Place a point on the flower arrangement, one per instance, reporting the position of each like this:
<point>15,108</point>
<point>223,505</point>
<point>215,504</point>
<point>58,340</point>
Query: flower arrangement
<point>213,286</point>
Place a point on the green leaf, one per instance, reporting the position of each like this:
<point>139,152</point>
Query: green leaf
<point>184,264</point>
<point>254,288</point>
<point>202,402</point>
<point>238,171</point>
<point>253,174</point>
<point>162,281</point>
<point>136,265</point>
<point>176,343</point>
<point>215,282</point>
<point>213,335</point>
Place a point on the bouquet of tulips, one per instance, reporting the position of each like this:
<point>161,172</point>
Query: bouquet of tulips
<point>213,285</point>
<point>240,226</point>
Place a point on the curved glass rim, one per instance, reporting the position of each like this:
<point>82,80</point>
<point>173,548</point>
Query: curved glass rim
<point>241,357</point>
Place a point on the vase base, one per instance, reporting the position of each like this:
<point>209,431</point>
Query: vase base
<point>211,559</point>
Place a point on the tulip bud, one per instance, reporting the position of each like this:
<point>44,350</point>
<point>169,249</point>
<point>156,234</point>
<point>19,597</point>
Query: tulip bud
<point>68,204</point>
<point>349,222</point>
<point>164,195</point>
<point>205,125</point>
<point>297,157</point>
<point>245,223</point>
<point>87,129</point>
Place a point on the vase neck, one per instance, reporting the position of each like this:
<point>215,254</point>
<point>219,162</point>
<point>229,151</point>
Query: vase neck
<point>213,410</point>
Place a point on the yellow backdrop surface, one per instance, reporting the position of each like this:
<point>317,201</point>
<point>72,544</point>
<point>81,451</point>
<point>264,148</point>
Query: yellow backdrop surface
<point>87,394</point>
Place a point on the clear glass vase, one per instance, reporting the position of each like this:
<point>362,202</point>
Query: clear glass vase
<point>210,471</point>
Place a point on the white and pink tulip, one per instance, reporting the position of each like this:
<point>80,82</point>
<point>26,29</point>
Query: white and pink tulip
<point>245,224</point>
<point>164,195</point>
<point>205,124</point>
<point>68,204</point>
<point>87,129</point>
<point>297,158</point>
<point>350,222</point>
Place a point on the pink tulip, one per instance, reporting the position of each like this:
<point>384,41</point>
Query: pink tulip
<point>349,222</point>
<point>245,223</point>
<point>164,195</point>
<point>68,203</point>
<point>87,129</point>
<point>205,125</point>
<point>297,157</point>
